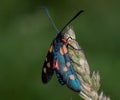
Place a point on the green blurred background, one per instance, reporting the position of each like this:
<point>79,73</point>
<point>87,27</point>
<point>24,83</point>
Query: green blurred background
<point>25,36</point>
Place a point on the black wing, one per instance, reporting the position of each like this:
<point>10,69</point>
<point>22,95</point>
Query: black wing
<point>47,70</point>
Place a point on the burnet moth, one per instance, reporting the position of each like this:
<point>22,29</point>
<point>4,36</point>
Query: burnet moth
<point>58,59</point>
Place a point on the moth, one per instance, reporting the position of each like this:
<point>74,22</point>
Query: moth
<point>59,61</point>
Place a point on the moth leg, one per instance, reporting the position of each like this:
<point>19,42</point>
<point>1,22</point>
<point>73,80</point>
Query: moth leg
<point>73,47</point>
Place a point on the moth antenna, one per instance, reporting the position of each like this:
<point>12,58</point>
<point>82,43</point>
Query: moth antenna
<point>51,20</point>
<point>73,19</point>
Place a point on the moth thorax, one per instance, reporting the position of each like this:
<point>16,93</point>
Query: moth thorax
<point>69,33</point>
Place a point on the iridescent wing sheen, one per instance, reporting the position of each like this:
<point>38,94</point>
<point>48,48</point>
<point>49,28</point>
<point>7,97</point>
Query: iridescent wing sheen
<point>58,59</point>
<point>66,70</point>
<point>47,70</point>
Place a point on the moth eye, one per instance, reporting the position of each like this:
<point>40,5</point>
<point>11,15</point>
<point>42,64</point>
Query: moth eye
<point>64,68</point>
<point>72,77</point>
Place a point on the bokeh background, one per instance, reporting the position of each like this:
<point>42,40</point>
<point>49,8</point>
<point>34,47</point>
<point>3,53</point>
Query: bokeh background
<point>25,36</point>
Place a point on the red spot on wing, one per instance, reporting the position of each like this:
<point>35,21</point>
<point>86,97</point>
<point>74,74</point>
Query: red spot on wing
<point>64,40</point>
<point>64,49</point>
<point>51,48</point>
<point>57,65</point>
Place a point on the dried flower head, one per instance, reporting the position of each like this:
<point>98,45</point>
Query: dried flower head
<point>89,84</point>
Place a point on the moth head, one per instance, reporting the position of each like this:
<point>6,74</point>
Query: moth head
<point>69,34</point>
